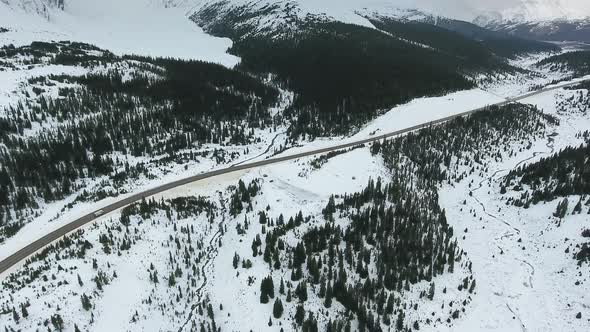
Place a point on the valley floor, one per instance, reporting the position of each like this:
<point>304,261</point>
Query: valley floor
<point>526,278</point>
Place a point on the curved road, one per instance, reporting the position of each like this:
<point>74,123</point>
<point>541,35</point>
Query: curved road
<point>40,243</point>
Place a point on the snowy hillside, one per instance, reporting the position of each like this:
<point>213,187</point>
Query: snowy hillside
<point>554,20</point>
<point>537,10</point>
<point>558,30</point>
<point>197,256</point>
<point>162,28</point>
<point>191,258</point>
<point>141,27</point>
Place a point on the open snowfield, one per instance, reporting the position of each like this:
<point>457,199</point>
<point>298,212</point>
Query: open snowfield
<point>141,27</point>
<point>525,277</point>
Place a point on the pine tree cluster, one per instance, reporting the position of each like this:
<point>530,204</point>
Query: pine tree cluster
<point>395,234</point>
<point>560,175</point>
<point>577,62</point>
<point>165,111</point>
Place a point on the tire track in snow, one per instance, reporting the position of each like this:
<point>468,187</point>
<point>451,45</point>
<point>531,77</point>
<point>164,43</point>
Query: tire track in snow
<point>522,326</point>
<point>213,247</point>
<point>483,205</point>
<point>531,272</point>
<point>261,154</point>
<point>212,252</point>
<point>531,267</point>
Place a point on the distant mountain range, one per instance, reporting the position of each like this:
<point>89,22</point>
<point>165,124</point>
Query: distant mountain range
<point>544,20</point>
<point>554,30</point>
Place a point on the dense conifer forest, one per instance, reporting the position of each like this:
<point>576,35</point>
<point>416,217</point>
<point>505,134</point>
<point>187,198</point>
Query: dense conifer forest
<point>341,81</point>
<point>163,110</point>
<point>577,62</point>
<point>377,243</point>
<point>501,44</point>
<point>344,74</point>
<point>61,53</point>
<point>563,174</point>
<point>476,52</point>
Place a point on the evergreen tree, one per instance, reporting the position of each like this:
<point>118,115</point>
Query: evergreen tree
<point>15,316</point>
<point>236,260</point>
<point>299,314</point>
<point>86,305</point>
<point>277,308</point>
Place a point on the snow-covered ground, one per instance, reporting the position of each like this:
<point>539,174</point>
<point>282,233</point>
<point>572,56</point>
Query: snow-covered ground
<point>526,281</point>
<point>526,278</point>
<point>141,27</point>
<point>418,111</point>
<point>515,285</point>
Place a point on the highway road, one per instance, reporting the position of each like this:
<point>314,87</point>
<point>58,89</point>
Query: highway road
<point>40,243</point>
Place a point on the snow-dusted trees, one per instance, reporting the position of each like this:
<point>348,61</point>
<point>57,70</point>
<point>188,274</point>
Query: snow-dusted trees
<point>186,106</point>
<point>396,235</point>
<point>86,304</point>
<point>561,209</point>
<point>562,174</point>
<point>277,309</point>
<point>267,289</point>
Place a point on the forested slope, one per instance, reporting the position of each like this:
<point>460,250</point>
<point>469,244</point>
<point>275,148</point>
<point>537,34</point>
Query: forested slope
<point>343,74</point>
<point>86,127</point>
<point>577,62</point>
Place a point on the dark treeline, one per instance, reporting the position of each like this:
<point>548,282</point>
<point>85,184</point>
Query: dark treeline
<point>463,145</point>
<point>472,54</point>
<point>576,62</point>
<point>500,43</point>
<point>342,74</point>
<point>165,107</point>
<point>318,162</point>
<point>562,174</point>
<point>60,53</point>
<point>396,233</point>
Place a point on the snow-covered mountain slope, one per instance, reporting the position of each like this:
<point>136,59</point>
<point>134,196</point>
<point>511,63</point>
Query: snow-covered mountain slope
<point>536,10</point>
<point>551,30</point>
<point>552,20</point>
<point>161,27</point>
<point>528,10</point>
<point>143,27</point>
